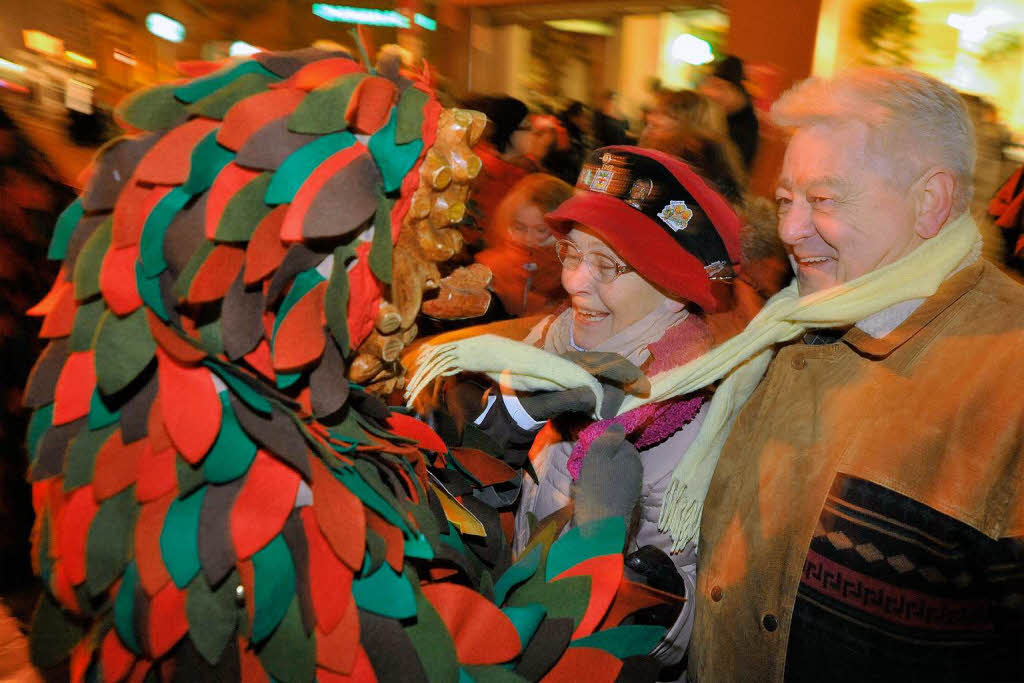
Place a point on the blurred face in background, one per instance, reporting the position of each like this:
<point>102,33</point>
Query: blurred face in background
<point>529,228</point>
<point>727,95</point>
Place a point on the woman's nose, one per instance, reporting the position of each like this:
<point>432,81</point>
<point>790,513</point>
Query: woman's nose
<point>576,280</point>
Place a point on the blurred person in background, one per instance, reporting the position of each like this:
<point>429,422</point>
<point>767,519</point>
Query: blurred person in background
<point>725,86</point>
<point>566,160</point>
<point>521,251</point>
<point>609,125</point>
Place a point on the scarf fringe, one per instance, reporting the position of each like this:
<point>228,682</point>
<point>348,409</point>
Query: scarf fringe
<point>680,515</point>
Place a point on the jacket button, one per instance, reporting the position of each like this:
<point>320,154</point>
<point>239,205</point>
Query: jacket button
<point>770,622</point>
<point>716,593</point>
<point>799,363</point>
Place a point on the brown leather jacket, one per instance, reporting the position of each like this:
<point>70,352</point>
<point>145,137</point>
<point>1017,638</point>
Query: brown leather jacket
<point>933,411</point>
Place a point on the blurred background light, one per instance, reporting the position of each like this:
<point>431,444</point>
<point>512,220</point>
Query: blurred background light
<point>124,57</point>
<point>164,27</point>
<point>425,22</point>
<point>692,50</point>
<point>370,17</point>
<point>240,48</point>
<point>11,66</point>
<point>43,42</point>
<point>594,28</point>
<point>80,60</point>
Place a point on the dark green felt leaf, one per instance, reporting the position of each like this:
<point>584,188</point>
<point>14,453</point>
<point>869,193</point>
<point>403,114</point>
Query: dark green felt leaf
<point>184,280</point>
<point>212,615</point>
<point>211,338</point>
<point>290,654</point>
<point>565,598</point>
<point>124,608</point>
<point>199,88</point>
<point>189,478</point>
<point>244,211</point>
<point>66,223</point>
<point>336,299</point>
<point>274,587</point>
<point>409,114</point>
<point>381,247</point>
<point>109,545</point>
<point>232,452</point>
<point>241,388</point>
<point>323,109</point>
<point>124,347</point>
<point>601,537</point>
<point>624,641</point>
<point>54,633</point>
<point>492,674</point>
<point>151,108</point>
<point>433,643</point>
<point>516,574</point>
<point>179,539</point>
<point>87,320</point>
<point>42,420</point>
<point>90,261</point>
<point>208,158</point>
<point>81,456</point>
<point>216,104</point>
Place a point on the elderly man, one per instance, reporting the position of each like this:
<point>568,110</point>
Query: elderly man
<point>864,519</point>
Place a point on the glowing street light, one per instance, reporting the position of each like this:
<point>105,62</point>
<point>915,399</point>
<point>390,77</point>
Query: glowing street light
<point>164,27</point>
<point>692,50</point>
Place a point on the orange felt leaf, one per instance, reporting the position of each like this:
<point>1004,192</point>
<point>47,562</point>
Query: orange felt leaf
<point>585,664</point>
<point>605,572</point>
<point>216,274</point>
<point>60,318</point>
<point>265,250</point>
<point>117,465</point>
<point>52,297</point>
<point>81,655</point>
<point>263,503</point>
<point>117,280</point>
<point>167,620</point>
<point>336,650</point>
<point>486,468</point>
<point>133,206</point>
<point>482,634</point>
<point>247,577</point>
<point>340,515</point>
<point>157,473</point>
<point>362,671</point>
<point>370,106</point>
<point>392,535</point>
<point>75,385</point>
<point>190,407</point>
<point>75,518</point>
<point>301,337</point>
<point>254,112</point>
<point>291,229</point>
<point>115,658</point>
<point>418,431</point>
<point>170,159</point>
<point>629,598</point>
<point>171,341</point>
<point>156,432</point>
<point>228,182</point>
<point>330,581</point>
<point>251,668</point>
<point>317,73</point>
<point>259,359</point>
<point>195,68</point>
<point>62,588</point>
<point>139,671</point>
<point>363,299</point>
<point>149,559</point>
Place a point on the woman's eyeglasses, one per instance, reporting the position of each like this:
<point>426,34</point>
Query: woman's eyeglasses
<point>602,267</point>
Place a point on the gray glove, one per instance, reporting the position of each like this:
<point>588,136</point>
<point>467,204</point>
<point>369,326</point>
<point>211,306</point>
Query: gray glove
<point>610,479</point>
<point>617,376</point>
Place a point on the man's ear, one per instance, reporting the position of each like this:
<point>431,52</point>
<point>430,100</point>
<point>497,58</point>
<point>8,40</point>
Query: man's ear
<point>934,201</point>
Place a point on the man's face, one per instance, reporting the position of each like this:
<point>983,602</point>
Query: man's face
<point>841,214</point>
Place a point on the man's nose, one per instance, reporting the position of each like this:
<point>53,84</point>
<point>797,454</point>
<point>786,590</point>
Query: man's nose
<point>795,223</point>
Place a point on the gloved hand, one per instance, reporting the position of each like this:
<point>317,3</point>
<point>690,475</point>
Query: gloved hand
<point>650,565</point>
<point>617,376</point>
<point>610,479</point>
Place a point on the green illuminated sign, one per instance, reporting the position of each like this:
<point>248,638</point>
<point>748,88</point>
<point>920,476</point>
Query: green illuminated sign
<point>370,17</point>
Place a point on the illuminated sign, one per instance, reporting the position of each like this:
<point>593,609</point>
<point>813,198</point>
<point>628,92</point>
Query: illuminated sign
<point>240,48</point>
<point>11,66</point>
<point>692,50</point>
<point>80,60</point>
<point>124,57</point>
<point>370,17</point>
<point>164,27</point>
<point>43,42</point>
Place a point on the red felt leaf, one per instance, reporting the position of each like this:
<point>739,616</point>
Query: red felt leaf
<point>81,655</point>
<point>301,337</point>
<point>196,68</point>
<point>363,299</point>
<point>156,432</point>
<point>263,503</point>
<point>62,588</point>
<point>75,517</point>
<point>168,162</point>
<point>605,574</point>
<point>118,282</point>
<point>117,465</point>
<point>139,671</point>
<point>115,658</point>
<point>392,535</point>
<point>336,650</point>
<point>585,664</point>
<point>75,385</point>
<point>247,577</point>
<point>190,406</point>
<point>265,250</point>
<point>172,342</point>
<point>291,230</point>
<point>215,275</point>
<point>61,317</point>
<point>330,581</point>
<point>362,671</point>
<point>229,181</point>
<point>52,297</point>
<point>251,667</point>
<point>482,634</point>
<point>317,73</point>
<point>420,432</point>
<point>133,206</point>
<point>486,468</point>
<point>259,359</point>
<point>340,514</point>
<point>167,620</point>
<point>254,112</point>
<point>630,597</point>
<point>370,106</point>
<point>149,559</point>
<point>157,474</point>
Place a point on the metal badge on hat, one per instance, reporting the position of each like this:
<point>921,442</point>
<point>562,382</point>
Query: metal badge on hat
<point>676,215</point>
<point>639,193</point>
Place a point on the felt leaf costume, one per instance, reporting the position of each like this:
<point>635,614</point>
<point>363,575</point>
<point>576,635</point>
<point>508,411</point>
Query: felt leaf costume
<point>218,492</point>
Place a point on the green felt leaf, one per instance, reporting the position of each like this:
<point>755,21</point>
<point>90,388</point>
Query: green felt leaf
<point>386,593</point>
<point>179,539</point>
<point>294,170</point>
<point>100,415</point>
<point>184,279</point>
<point>565,598</point>
<point>301,286</point>
<point>242,389</point>
<point>124,608</point>
<point>419,547</point>
<point>90,260</point>
<point>54,633</point>
<point>376,552</point>
<point>42,419</point>
<point>369,488</point>
<point>43,549</point>
<point>150,292</point>
<point>381,247</point>
<point>526,620</point>
<point>244,210</point>
<point>290,654</point>
<point>62,231</point>
<point>81,456</point>
<point>199,88</point>
<point>154,230</point>
<point>336,298</point>
<point>283,380</point>
<point>211,338</point>
<point>153,108</point>
<point>323,109</point>
<point>274,586</point>
<point>516,574</point>
<point>492,674</point>
<point>623,641</point>
<point>87,320</point>
<point>124,347</point>
<point>213,615</point>
<point>349,430</point>
<point>474,437</point>
<point>208,158</point>
<point>189,478</point>
<point>393,160</point>
<point>433,643</point>
<point>232,452</point>
<point>216,104</point>
<point>109,545</point>
<point>409,115</point>
<point>601,537</point>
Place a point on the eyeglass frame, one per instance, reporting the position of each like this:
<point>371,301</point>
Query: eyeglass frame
<point>620,269</point>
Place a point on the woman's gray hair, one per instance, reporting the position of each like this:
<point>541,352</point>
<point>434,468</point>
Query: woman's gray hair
<point>913,119</point>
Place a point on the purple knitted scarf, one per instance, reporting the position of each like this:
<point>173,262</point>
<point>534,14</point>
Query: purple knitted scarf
<point>654,421</point>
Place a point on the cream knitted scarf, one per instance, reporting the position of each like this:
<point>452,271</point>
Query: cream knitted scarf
<point>742,360</point>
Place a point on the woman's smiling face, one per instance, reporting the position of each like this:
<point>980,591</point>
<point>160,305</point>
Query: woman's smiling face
<point>603,309</point>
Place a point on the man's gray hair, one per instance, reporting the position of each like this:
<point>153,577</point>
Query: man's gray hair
<point>913,120</point>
